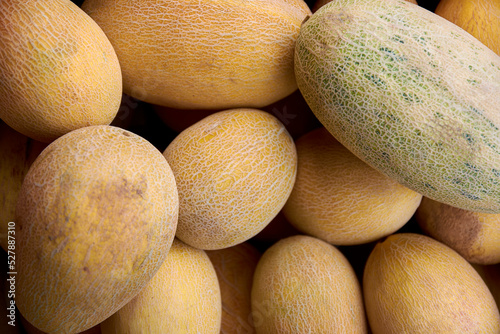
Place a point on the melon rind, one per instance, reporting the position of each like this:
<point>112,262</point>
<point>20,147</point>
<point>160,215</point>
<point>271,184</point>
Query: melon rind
<point>409,93</point>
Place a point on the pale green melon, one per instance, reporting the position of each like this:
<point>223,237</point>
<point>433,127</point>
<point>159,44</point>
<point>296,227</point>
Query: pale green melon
<point>408,92</point>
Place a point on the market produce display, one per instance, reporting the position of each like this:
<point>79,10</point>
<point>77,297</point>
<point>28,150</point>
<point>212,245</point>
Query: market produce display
<point>256,166</point>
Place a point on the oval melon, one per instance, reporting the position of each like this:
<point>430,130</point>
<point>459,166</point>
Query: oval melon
<point>480,18</point>
<point>234,171</point>
<point>95,218</point>
<point>474,235</point>
<point>415,284</point>
<point>203,55</point>
<point>58,70</point>
<point>340,199</point>
<point>235,267</point>
<point>183,297</point>
<point>408,92</point>
<point>305,285</point>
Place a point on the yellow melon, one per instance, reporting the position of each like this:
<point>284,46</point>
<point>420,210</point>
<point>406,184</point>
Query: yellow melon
<point>203,55</point>
<point>18,153</point>
<point>58,70</point>
<point>95,218</point>
<point>340,199</point>
<point>183,297</point>
<point>480,18</point>
<point>305,285</point>
<point>234,171</point>
<point>235,267</point>
<point>415,284</point>
<point>474,235</point>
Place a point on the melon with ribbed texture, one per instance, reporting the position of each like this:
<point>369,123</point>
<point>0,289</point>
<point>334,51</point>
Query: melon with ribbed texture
<point>183,297</point>
<point>340,199</point>
<point>58,70</point>
<point>212,54</point>
<point>415,284</point>
<point>235,267</point>
<point>95,218</point>
<point>481,18</point>
<point>234,171</point>
<point>408,92</point>
<point>474,235</point>
<point>305,285</point>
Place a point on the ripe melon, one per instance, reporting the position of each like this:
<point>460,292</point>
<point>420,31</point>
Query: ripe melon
<point>305,285</point>
<point>474,235</point>
<point>320,3</point>
<point>235,267</point>
<point>183,297</point>
<point>17,153</point>
<point>415,284</point>
<point>203,55</point>
<point>408,92</point>
<point>340,199</point>
<point>95,218</point>
<point>480,18</point>
<point>58,70</point>
<point>234,171</point>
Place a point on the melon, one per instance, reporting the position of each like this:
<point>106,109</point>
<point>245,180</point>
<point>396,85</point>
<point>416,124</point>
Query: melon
<point>182,298</point>
<point>58,70</point>
<point>95,218</point>
<point>474,235</point>
<point>234,172</point>
<point>340,199</point>
<point>320,3</point>
<point>408,92</point>
<point>203,55</point>
<point>415,284</point>
<point>235,267</point>
<point>305,285</point>
<point>481,18</point>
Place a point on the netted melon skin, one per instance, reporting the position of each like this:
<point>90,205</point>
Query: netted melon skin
<point>408,92</point>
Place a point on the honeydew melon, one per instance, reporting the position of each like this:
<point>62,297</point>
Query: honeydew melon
<point>408,92</point>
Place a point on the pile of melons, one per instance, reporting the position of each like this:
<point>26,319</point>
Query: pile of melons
<point>250,166</point>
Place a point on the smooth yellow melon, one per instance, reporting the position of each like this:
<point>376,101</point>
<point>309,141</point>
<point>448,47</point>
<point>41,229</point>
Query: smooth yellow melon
<point>95,218</point>
<point>480,18</point>
<point>58,70</point>
<point>235,267</point>
<point>408,92</point>
<point>340,199</point>
<point>183,297</point>
<point>17,153</point>
<point>474,235</point>
<point>305,285</point>
<point>234,171</point>
<point>415,284</point>
<point>214,54</point>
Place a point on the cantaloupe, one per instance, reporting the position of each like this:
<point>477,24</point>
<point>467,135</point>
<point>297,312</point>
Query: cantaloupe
<point>17,152</point>
<point>182,298</point>
<point>58,70</point>
<point>480,18</point>
<point>235,267</point>
<point>340,199</point>
<point>408,92</point>
<point>320,3</point>
<point>415,284</point>
<point>305,285</point>
<point>203,55</point>
<point>95,218</point>
<point>234,171</point>
<point>474,235</point>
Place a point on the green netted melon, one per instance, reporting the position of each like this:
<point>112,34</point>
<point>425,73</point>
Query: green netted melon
<point>408,92</point>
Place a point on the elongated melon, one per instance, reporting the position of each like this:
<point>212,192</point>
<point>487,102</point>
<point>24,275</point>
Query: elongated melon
<point>408,92</point>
